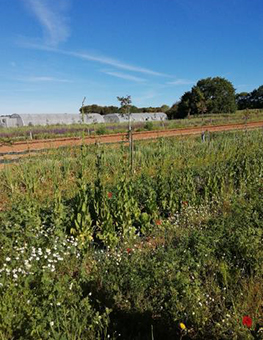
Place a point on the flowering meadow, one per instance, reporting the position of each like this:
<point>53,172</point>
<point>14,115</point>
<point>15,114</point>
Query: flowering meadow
<point>91,248</point>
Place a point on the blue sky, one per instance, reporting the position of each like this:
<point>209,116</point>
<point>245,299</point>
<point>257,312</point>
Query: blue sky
<point>55,52</point>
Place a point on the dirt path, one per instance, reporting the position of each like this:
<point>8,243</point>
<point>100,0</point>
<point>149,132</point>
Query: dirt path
<point>23,149</point>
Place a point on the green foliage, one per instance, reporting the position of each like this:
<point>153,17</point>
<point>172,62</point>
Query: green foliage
<point>210,95</point>
<point>104,110</point>
<point>41,293</point>
<point>131,255</point>
<point>101,130</point>
<point>251,100</point>
<point>149,126</point>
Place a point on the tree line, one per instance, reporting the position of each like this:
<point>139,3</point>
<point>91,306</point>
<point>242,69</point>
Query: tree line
<point>104,110</point>
<point>209,95</point>
<point>250,100</point>
<point>215,95</point>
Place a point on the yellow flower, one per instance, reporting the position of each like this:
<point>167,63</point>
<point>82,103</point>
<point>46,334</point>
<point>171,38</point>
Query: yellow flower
<point>182,326</point>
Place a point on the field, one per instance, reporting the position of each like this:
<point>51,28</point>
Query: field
<point>10,135</point>
<point>170,249</point>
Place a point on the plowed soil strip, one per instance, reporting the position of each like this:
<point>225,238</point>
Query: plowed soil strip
<point>24,149</point>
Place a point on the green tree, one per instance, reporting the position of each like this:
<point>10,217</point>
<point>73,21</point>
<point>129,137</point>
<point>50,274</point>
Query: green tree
<point>126,109</point>
<point>243,100</point>
<point>210,95</point>
<point>172,112</point>
<point>256,98</point>
<point>186,106</point>
<point>219,94</point>
<point>199,104</point>
<point>250,100</point>
<point>164,108</point>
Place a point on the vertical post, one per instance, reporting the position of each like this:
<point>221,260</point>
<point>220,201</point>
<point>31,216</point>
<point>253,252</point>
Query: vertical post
<point>130,139</point>
<point>125,103</point>
<point>82,110</point>
<point>83,136</point>
<point>203,137</point>
<point>82,118</point>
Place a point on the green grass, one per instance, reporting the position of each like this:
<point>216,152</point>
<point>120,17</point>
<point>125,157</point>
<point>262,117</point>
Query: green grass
<point>24,133</point>
<point>92,250</point>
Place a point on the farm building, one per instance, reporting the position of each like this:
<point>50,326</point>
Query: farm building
<point>17,120</point>
<point>93,118</point>
<point>135,117</point>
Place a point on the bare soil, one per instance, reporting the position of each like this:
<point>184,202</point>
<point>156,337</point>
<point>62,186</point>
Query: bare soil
<point>23,149</point>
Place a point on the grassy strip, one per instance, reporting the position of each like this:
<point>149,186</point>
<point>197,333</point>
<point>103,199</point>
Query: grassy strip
<point>172,250</point>
<point>9,135</point>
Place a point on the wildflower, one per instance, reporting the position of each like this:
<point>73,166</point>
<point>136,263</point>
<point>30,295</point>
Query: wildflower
<point>129,250</point>
<point>109,194</point>
<point>247,321</point>
<point>158,222</point>
<point>182,326</point>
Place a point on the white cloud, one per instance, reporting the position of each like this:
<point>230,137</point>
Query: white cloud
<point>52,20</point>
<point>45,79</point>
<point>241,86</point>
<point>181,82</point>
<point>96,58</point>
<point>116,63</point>
<point>146,98</point>
<point>125,76</point>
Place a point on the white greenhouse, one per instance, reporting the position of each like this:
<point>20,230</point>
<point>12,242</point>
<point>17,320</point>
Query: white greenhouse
<point>17,120</point>
<point>26,119</point>
<point>93,118</point>
<point>135,117</point>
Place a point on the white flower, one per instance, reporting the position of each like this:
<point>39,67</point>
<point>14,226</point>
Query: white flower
<point>51,323</point>
<point>8,259</point>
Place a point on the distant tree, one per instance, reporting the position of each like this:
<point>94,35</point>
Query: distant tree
<point>134,109</point>
<point>186,106</point>
<point>109,109</point>
<point>172,112</point>
<point>243,100</point>
<point>210,95</point>
<point>199,100</point>
<point>91,108</point>
<point>251,100</point>
<point>256,98</point>
<point>164,108</point>
<point>103,110</point>
<point>219,94</point>
<point>125,104</point>
<point>126,109</point>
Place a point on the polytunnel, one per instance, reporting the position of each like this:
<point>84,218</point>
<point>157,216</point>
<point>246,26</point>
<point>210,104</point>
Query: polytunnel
<point>93,118</point>
<point>135,117</point>
<point>148,116</point>
<point>27,119</point>
<point>115,118</point>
